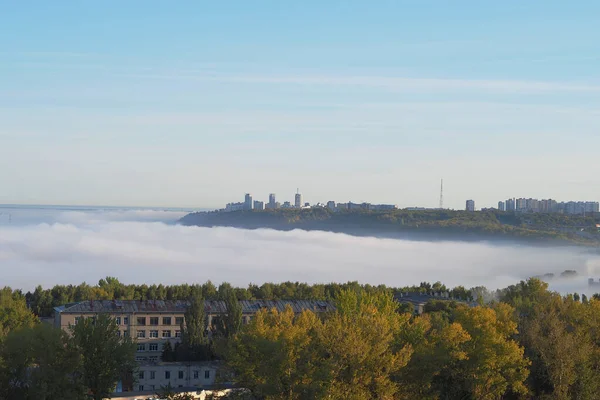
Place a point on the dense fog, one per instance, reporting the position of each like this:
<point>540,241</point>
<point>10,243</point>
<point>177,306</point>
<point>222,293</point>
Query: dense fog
<point>144,246</point>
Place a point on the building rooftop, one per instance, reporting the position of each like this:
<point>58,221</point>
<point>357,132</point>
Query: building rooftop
<point>177,306</point>
<point>422,298</point>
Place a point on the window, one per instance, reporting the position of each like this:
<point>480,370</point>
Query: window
<point>125,320</point>
<point>151,387</point>
<point>141,388</point>
<point>167,374</point>
<point>153,333</point>
<point>118,333</point>
<point>139,359</point>
<point>125,334</point>
<point>152,374</point>
<point>178,320</point>
<point>141,321</point>
<point>196,374</point>
<point>207,374</point>
<point>141,375</point>
<point>166,334</point>
<point>153,347</point>
<point>77,319</point>
<point>118,320</point>
<point>153,320</point>
<point>180,375</point>
<point>141,347</point>
<point>177,333</point>
<point>153,358</point>
<point>141,334</point>
<point>166,320</point>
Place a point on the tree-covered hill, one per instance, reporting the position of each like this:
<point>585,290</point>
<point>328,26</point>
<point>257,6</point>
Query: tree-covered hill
<point>416,225</point>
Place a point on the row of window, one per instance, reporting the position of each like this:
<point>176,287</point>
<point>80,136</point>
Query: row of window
<point>151,320</point>
<point>180,374</point>
<point>144,359</point>
<point>151,347</point>
<point>154,334</point>
<point>142,320</point>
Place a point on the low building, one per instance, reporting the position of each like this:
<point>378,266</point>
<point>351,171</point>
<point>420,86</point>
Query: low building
<point>153,376</point>
<point>230,207</point>
<point>153,323</point>
<point>382,207</point>
<point>419,300</point>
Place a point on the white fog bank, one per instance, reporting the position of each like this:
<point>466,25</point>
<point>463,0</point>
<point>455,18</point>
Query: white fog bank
<point>80,246</point>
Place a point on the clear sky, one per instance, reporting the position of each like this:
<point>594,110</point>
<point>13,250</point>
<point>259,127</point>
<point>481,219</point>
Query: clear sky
<point>193,103</point>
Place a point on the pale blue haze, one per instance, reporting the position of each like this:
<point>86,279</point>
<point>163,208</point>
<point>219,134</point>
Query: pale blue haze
<point>193,103</point>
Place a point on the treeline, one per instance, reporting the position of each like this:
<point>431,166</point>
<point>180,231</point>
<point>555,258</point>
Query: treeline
<point>39,361</point>
<point>42,301</point>
<point>524,342</point>
<point>528,343</point>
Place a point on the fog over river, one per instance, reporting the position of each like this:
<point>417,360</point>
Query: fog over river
<point>69,245</point>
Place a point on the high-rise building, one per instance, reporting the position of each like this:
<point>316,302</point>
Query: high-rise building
<point>298,200</point>
<point>272,200</point>
<point>521,205</point>
<point>501,206</point>
<point>331,205</point>
<point>470,206</point>
<point>259,205</point>
<point>510,205</point>
<point>248,202</point>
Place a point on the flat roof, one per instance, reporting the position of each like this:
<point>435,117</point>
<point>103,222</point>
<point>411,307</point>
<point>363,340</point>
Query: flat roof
<point>178,306</point>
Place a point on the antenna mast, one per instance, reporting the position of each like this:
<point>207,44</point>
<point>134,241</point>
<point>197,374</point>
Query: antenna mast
<point>442,195</point>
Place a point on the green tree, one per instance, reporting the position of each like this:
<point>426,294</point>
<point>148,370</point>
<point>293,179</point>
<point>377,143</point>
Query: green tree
<point>14,313</point>
<point>193,329</point>
<point>106,357</point>
<point>168,354</point>
<point>40,363</point>
<point>469,354</point>
<point>276,356</point>
<point>233,318</point>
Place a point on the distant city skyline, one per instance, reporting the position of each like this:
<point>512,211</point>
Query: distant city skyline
<point>187,104</point>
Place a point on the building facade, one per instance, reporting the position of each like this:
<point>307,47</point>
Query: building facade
<point>298,201</point>
<point>501,206</point>
<point>510,205</point>
<point>154,376</point>
<point>153,323</point>
<point>248,205</point>
<point>470,205</point>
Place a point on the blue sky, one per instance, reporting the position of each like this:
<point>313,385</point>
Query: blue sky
<point>195,103</point>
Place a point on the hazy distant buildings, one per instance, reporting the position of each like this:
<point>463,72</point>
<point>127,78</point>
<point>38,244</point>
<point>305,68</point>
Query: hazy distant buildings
<point>470,205</point>
<point>331,205</point>
<point>259,205</point>
<point>510,205</point>
<point>230,207</point>
<point>286,204</point>
<point>298,201</point>
<point>272,200</point>
<point>529,205</point>
<point>248,202</point>
<point>501,206</point>
<point>382,207</point>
